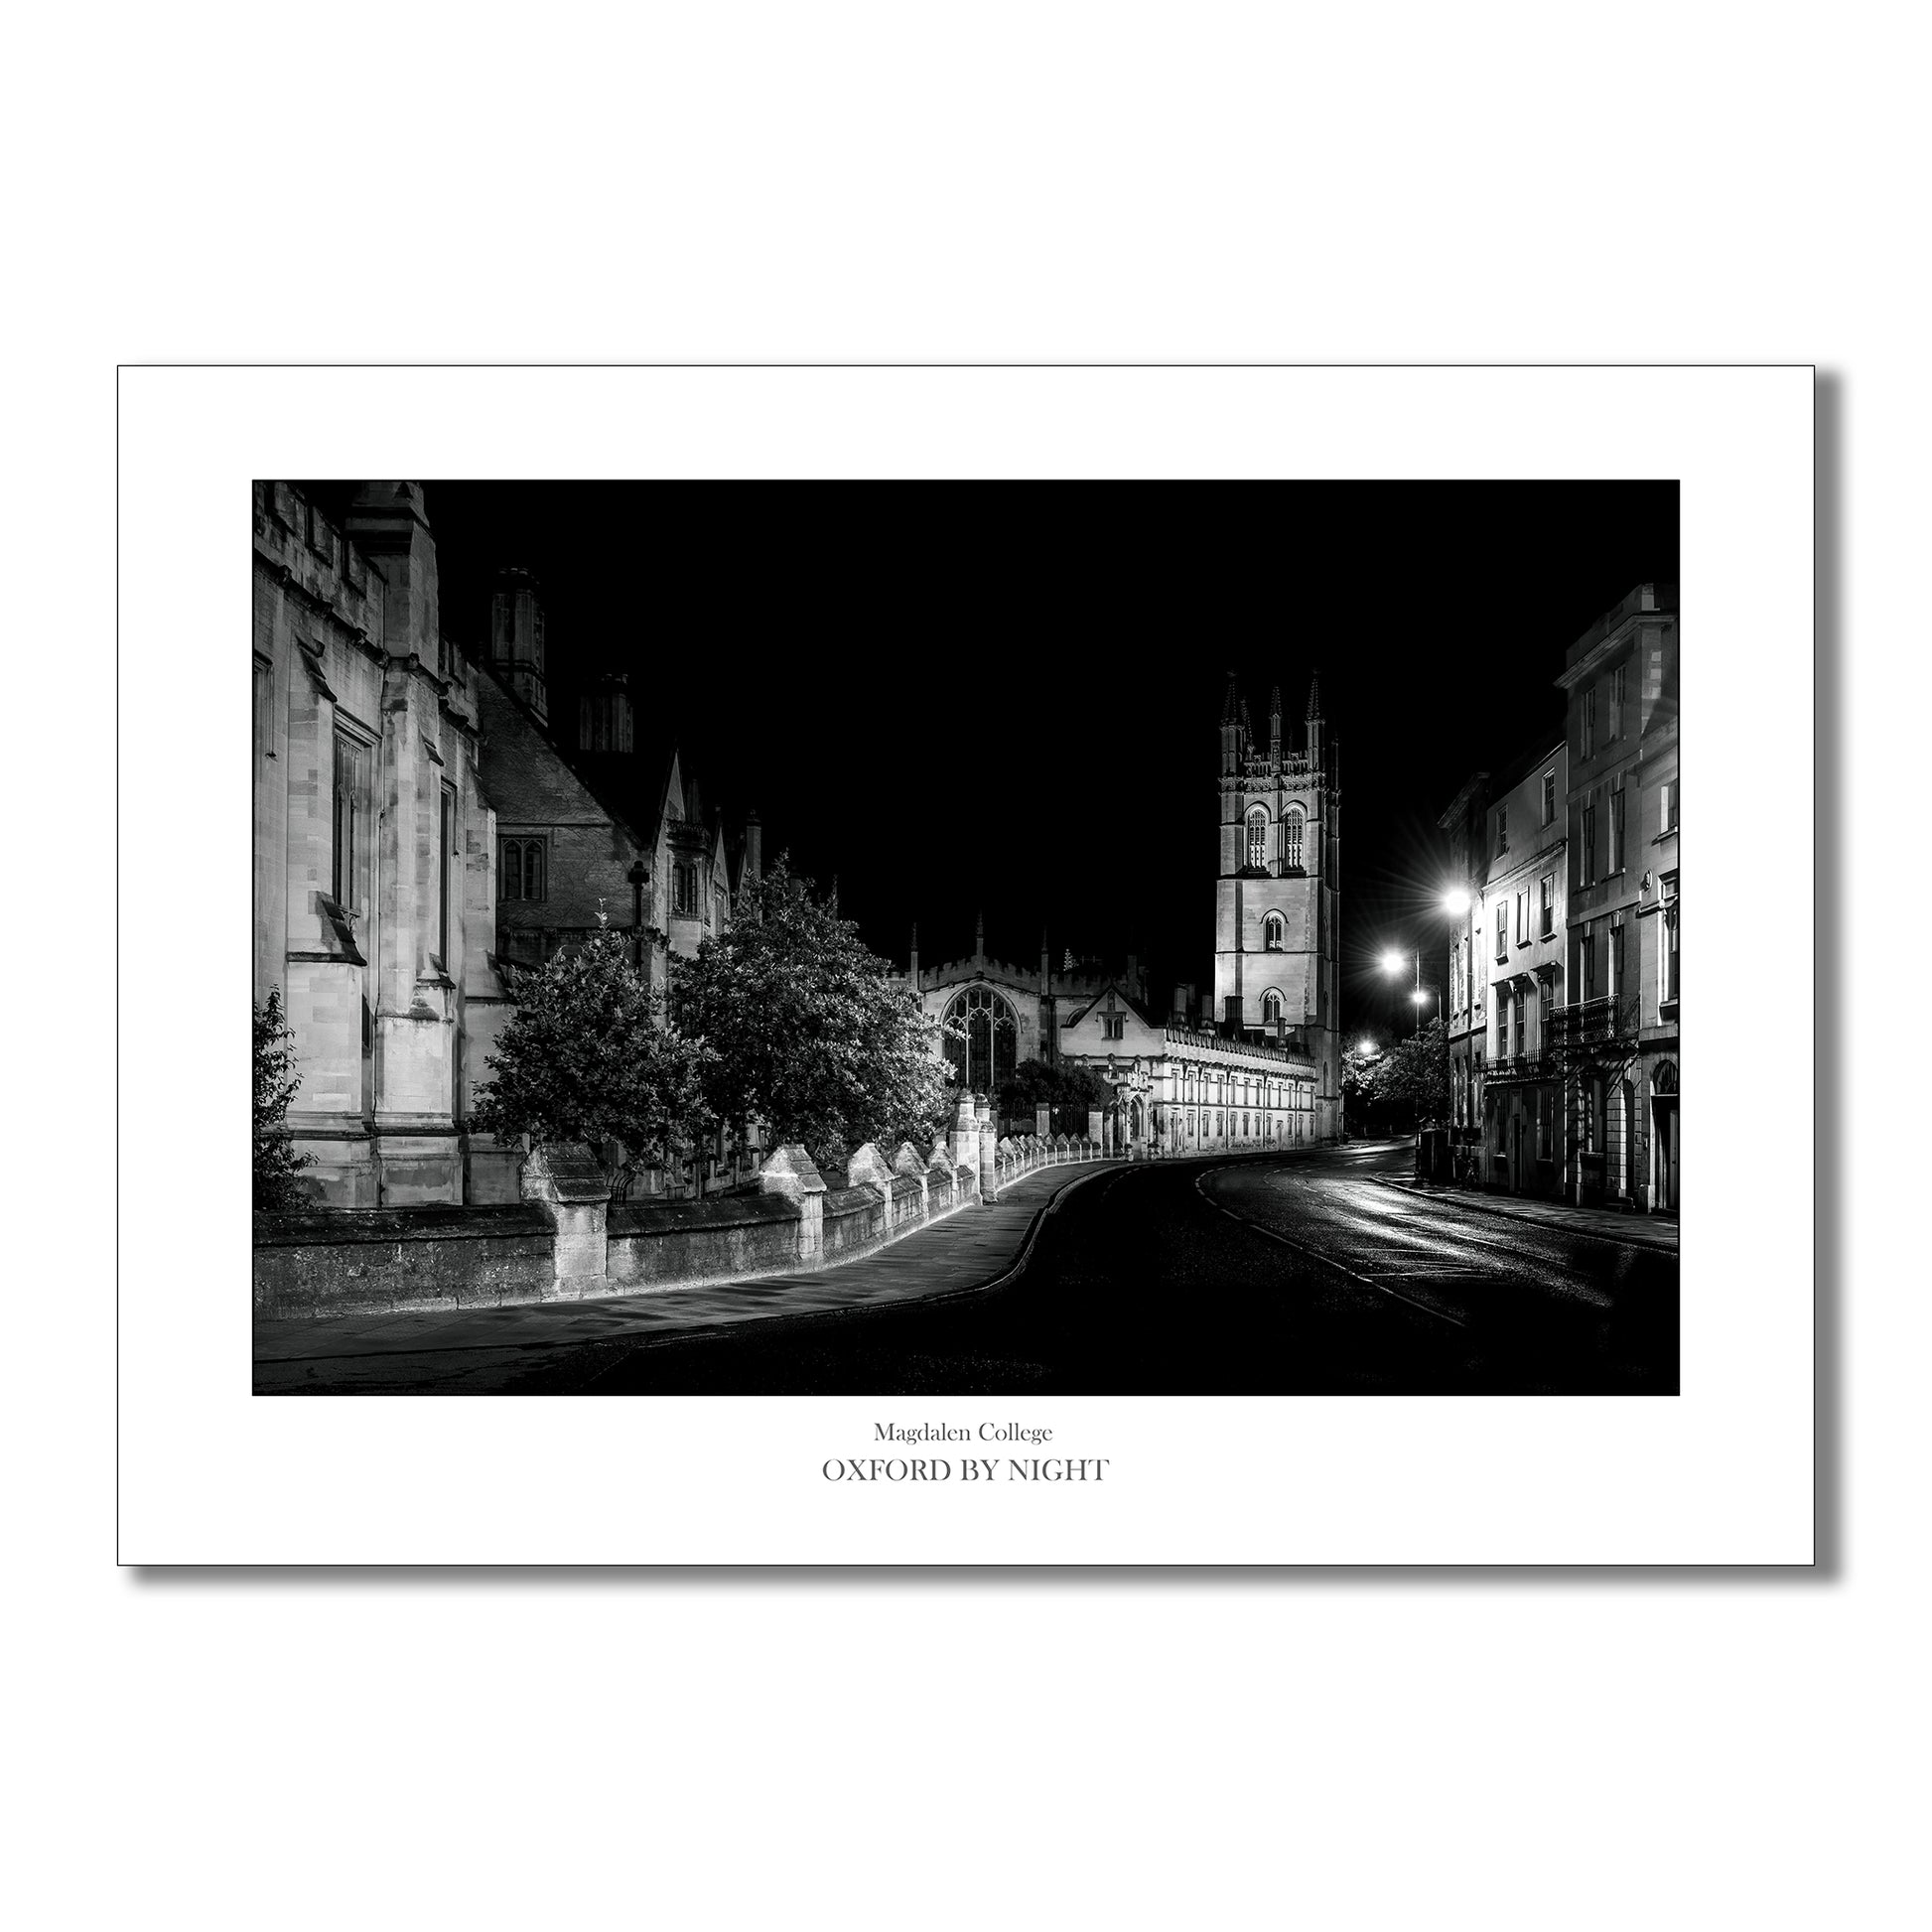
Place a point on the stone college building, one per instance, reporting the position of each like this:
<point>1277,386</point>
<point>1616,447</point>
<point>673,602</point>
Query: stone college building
<point>1260,1064</point>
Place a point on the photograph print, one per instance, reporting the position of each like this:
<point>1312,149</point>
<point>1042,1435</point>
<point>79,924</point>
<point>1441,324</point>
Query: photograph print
<point>992,939</point>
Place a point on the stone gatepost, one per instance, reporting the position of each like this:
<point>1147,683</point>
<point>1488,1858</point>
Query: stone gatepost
<point>789,1172</point>
<point>1044,1121</point>
<point>569,1182</point>
<point>1095,1121</point>
<point>989,1152</point>
<point>965,1149</point>
<point>907,1162</point>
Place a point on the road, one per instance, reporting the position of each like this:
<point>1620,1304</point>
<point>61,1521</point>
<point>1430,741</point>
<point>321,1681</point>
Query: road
<point>1299,1275</point>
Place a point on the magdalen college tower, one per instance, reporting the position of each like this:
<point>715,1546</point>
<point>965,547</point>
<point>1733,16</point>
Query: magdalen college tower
<point>1277,915</point>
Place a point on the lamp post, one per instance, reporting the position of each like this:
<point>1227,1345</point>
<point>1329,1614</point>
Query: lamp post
<point>1392,963</point>
<point>1455,903</point>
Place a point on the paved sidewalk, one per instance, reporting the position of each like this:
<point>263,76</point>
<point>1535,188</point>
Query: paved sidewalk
<point>1609,1223</point>
<point>485,1351</point>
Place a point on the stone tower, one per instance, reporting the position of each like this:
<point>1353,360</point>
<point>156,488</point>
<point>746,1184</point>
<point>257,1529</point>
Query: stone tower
<point>516,653</point>
<point>1277,911</point>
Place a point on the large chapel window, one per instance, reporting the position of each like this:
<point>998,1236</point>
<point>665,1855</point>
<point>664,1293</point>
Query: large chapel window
<point>981,1038</point>
<point>1258,839</point>
<point>1292,841</point>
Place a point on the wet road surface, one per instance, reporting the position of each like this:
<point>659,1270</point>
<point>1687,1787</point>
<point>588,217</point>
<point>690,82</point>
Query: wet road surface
<point>1264,1274</point>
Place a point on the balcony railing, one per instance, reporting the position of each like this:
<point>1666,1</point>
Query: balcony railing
<point>1518,1066</point>
<point>1593,1022</point>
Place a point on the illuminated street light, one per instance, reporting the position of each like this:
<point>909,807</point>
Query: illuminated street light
<point>1366,1049</point>
<point>1455,903</point>
<point>1393,962</point>
<point>1420,995</point>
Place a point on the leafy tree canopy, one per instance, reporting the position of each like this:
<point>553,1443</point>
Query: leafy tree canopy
<point>1414,1072</point>
<point>807,1030</point>
<point>1068,1087</point>
<point>588,1055</point>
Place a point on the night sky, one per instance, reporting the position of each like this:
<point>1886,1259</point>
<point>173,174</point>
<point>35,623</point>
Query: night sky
<point>1006,697</point>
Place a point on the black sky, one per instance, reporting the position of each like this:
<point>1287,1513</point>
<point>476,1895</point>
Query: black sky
<point>1007,696</point>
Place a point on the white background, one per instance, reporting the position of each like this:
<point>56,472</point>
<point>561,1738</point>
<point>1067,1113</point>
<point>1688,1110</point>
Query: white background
<point>1670,182</point>
<point>1720,1474</point>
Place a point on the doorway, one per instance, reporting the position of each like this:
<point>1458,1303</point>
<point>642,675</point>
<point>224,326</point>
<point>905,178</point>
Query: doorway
<point>1663,1156</point>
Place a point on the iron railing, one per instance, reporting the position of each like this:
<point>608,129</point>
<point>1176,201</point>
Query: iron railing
<point>1592,1023</point>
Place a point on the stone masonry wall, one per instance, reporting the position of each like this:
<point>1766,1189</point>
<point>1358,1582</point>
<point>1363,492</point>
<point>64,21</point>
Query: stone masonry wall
<point>363,1261</point>
<point>565,1241</point>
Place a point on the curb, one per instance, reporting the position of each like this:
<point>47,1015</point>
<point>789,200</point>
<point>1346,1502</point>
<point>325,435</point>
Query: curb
<point>859,1310</point>
<point>1479,1206</point>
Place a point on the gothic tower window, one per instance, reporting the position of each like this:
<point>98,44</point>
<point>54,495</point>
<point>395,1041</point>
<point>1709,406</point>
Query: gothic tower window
<point>1258,839</point>
<point>1271,1008</point>
<point>1292,841</point>
<point>1271,932</point>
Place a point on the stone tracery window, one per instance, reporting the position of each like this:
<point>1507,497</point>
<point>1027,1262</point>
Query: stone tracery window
<point>981,1034</point>
<point>1271,932</point>
<point>1271,1008</point>
<point>1258,839</point>
<point>1292,841</point>
<point>519,870</point>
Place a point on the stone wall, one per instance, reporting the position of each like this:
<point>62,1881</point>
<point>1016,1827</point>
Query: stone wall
<point>368,1260</point>
<point>565,1240</point>
<point>671,1244</point>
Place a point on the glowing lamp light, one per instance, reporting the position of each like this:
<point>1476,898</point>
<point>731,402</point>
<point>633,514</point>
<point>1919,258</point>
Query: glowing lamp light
<point>1456,903</point>
<point>1419,996</point>
<point>1393,962</point>
<point>1367,1047</point>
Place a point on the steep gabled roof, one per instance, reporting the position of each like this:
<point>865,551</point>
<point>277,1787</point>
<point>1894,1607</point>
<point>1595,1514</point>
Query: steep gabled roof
<point>629,786</point>
<point>1126,998</point>
<point>525,778</point>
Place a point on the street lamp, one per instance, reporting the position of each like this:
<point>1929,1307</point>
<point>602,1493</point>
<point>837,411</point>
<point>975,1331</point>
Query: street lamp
<point>1392,963</point>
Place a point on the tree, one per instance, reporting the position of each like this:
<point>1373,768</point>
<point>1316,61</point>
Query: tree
<point>590,1056</point>
<point>1066,1089</point>
<point>1415,1072</point>
<point>276,1081</point>
<point>807,1030</point>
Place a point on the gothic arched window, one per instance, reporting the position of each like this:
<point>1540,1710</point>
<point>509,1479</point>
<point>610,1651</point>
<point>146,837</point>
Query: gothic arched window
<point>1271,932</point>
<point>1258,839</point>
<point>1292,841</point>
<point>981,1036</point>
<point>1271,1008</point>
<point>520,873</point>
